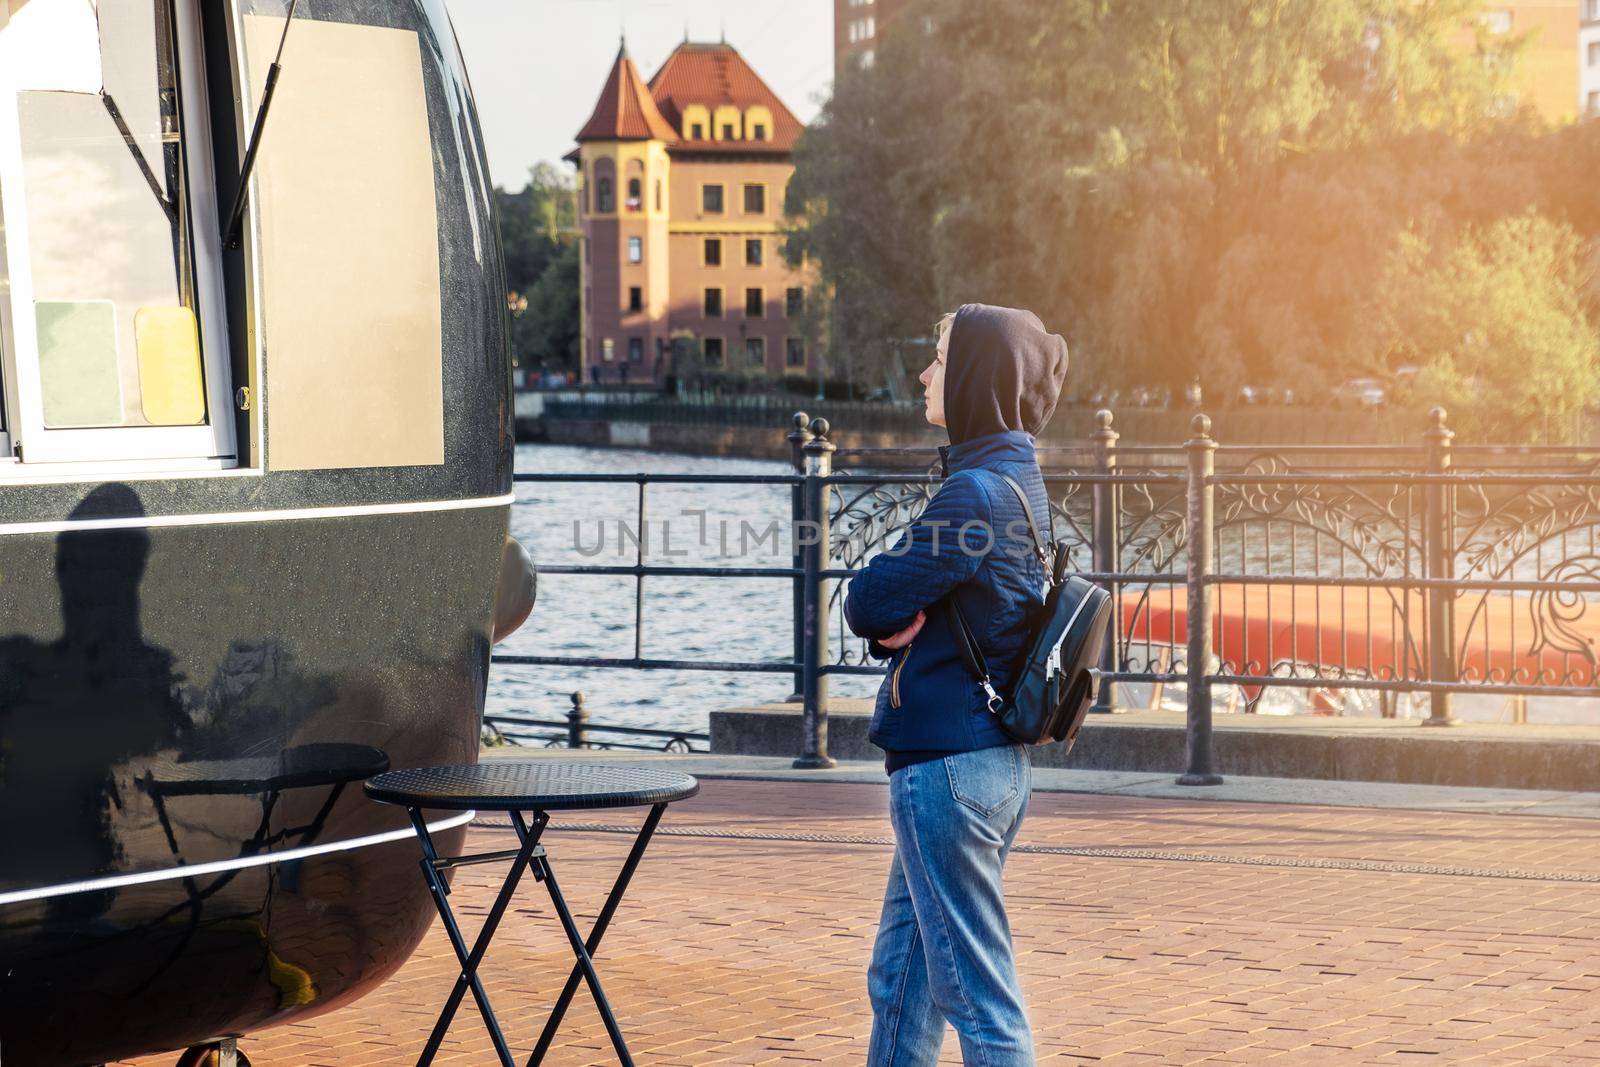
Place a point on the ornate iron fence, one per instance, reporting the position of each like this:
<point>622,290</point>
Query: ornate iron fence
<point>576,731</point>
<point>1349,574</point>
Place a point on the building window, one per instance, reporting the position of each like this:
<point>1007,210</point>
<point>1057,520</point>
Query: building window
<point>794,301</point>
<point>711,199</point>
<point>608,350</point>
<point>1497,21</point>
<point>752,252</point>
<point>635,349</point>
<point>713,350</point>
<point>755,198</point>
<point>635,298</point>
<point>602,196</point>
<point>1594,53</point>
<point>635,250</point>
<point>862,29</point>
<point>755,351</point>
<point>755,304</point>
<point>658,194</point>
<point>758,132</point>
<point>125,352</point>
<point>868,57</point>
<point>635,194</point>
<point>1594,103</point>
<point>713,307</point>
<point>727,132</point>
<point>713,251</point>
<point>697,132</point>
<point>794,352</point>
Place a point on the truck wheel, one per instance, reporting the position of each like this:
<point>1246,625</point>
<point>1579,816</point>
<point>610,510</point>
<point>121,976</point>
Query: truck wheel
<point>211,1056</point>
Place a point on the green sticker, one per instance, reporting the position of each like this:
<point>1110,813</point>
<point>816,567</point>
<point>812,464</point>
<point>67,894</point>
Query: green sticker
<point>78,372</point>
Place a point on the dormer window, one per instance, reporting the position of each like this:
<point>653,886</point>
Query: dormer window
<point>697,132</point>
<point>758,132</point>
<point>727,132</point>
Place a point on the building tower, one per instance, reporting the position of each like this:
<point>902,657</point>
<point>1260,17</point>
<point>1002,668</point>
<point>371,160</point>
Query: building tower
<point>858,29</point>
<point>1589,61</point>
<point>623,191</point>
<point>681,198</point>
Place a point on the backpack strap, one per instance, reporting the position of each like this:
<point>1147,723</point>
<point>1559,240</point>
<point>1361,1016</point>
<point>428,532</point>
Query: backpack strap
<point>1033,526</point>
<point>973,654</point>
<point>965,639</point>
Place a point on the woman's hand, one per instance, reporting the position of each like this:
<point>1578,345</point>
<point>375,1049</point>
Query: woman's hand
<point>904,637</point>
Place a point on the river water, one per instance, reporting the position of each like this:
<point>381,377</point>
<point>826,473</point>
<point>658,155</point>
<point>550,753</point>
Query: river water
<point>684,618</point>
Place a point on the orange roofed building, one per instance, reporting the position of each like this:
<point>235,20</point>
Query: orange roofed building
<point>680,193</point>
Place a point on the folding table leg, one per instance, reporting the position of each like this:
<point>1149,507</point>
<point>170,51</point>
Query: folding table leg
<point>586,950</point>
<point>469,959</point>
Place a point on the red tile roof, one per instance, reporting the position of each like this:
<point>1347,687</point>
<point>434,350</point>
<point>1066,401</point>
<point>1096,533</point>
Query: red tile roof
<point>715,74</point>
<point>626,111</point>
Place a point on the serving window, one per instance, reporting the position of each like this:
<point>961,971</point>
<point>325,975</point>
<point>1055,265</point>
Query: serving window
<point>114,344</point>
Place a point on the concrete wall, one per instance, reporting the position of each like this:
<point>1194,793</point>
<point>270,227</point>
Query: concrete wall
<point>1370,750</point>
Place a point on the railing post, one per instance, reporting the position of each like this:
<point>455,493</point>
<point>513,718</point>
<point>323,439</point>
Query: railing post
<point>1201,450</point>
<point>814,710</point>
<point>1439,529</point>
<point>1106,555</point>
<point>799,437</point>
<point>576,717</point>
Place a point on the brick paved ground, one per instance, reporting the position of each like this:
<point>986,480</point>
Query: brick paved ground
<point>746,951</point>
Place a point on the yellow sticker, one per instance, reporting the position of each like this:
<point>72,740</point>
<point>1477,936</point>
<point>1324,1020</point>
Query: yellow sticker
<point>170,378</point>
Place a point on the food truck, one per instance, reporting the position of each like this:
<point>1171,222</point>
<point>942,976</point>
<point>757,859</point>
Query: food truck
<point>255,480</point>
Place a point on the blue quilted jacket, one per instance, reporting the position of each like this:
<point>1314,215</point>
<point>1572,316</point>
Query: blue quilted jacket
<point>930,701</point>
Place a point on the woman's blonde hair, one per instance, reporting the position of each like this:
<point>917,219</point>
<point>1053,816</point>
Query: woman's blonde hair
<point>942,327</point>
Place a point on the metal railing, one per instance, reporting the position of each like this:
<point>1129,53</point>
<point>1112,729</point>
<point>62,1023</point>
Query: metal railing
<point>1432,570</point>
<point>576,731</point>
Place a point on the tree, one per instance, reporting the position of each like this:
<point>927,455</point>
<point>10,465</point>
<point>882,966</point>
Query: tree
<point>1205,187</point>
<point>535,222</point>
<point>546,333</point>
<point>858,204</point>
<point>538,237</point>
<point>1496,323</point>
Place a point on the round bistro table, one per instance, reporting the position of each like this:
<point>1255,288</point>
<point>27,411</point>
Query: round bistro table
<point>527,791</point>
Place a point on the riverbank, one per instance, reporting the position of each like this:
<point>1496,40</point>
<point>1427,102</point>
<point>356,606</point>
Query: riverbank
<point>756,427</point>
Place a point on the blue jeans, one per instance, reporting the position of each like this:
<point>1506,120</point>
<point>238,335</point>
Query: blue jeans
<point>944,946</point>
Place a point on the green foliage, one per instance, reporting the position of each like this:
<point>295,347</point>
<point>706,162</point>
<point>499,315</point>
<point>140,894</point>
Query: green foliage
<point>1214,188</point>
<point>538,236</point>
<point>546,333</point>
<point>1495,321</point>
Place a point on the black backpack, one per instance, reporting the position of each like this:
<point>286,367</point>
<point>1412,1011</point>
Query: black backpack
<point>1055,680</point>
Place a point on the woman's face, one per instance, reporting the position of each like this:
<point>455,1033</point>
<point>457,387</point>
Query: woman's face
<point>932,380</point>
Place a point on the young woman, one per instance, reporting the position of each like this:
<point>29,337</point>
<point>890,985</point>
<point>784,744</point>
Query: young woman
<point>958,786</point>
